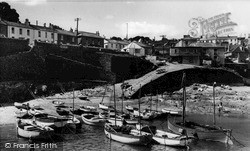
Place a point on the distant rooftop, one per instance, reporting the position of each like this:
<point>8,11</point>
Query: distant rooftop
<point>117,41</point>
<point>65,32</point>
<point>88,34</point>
<point>17,24</point>
<point>204,44</point>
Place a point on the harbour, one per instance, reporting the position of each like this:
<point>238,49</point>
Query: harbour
<point>93,138</point>
<point>124,75</point>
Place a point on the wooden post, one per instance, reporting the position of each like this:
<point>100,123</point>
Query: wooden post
<point>140,108</point>
<point>184,98</point>
<point>214,102</point>
<point>115,104</point>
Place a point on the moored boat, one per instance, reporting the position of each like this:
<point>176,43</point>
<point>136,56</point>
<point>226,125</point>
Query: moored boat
<point>58,103</point>
<point>129,108</point>
<point>200,131</point>
<point>167,138</point>
<point>94,120</point>
<point>145,115</point>
<point>172,111</point>
<point>22,106</point>
<point>124,135</point>
<point>104,107</point>
<point>62,112</point>
<point>33,131</point>
<point>88,109</point>
<point>21,113</point>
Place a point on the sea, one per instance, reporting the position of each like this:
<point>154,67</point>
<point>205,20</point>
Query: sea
<point>90,138</point>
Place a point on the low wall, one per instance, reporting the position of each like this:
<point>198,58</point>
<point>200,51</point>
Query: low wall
<point>22,66</point>
<point>171,81</point>
<point>243,69</point>
<point>10,46</point>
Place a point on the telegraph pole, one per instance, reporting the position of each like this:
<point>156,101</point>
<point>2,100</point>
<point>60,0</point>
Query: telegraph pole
<point>77,20</point>
<point>127,32</point>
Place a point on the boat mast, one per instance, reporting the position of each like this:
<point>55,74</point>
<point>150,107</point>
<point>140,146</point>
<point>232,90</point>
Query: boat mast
<point>73,103</point>
<point>122,97</point>
<point>151,95</point>
<point>184,98</point>
<point>104,93</point>
<point>139,108</point>
<point>156,100</point>
<point>214,101</point>
<point>115,104</point>
<point>73,98</point>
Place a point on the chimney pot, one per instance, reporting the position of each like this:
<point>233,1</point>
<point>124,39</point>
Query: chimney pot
<point>27,23</point>
<point>37,22</point>
<point>97,33</point>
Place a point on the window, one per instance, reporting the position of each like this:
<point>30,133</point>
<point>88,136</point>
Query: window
<point>61,37</point>
<point>137,51</point>
<point>73,40</point>
<point>39,33</point>
<point>52,35</point>
<point>46,35</point>
<point>20,31</point>
<point>13,30</point>
<point>28,32</point>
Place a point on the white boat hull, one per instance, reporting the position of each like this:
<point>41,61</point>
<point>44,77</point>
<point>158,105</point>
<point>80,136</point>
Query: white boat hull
<point>35,134</point>
<point>21,113</point>
<point>170,139</point>
<point>203,133</point>
<point>103,107</point>
<point>133,139</point>
<point>95,121</point>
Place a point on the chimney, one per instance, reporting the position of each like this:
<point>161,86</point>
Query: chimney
<point>97,33</point>
<point>44,24</point>
<point>71,30</point>
<point>37,22</point>
<point>27,23</point>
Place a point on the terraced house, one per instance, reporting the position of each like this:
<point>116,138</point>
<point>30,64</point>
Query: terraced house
<point>44,34</point>
<point>48,34</point>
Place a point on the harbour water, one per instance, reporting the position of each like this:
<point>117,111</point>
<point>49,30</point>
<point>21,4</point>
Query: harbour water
<point>93,138</point>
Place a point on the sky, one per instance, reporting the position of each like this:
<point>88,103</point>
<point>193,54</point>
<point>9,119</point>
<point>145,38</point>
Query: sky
<point>151,18</point>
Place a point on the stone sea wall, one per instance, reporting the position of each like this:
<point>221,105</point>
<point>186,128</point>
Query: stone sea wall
<point>48,64</point>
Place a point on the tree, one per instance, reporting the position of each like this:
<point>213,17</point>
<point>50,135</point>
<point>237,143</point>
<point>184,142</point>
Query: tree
<point>116,38</point>
<point>8,13</point>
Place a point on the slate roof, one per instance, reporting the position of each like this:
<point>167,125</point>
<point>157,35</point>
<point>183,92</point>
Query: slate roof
<point>236,48</point>
<point>65,32</point>
<point>117,41</point>
<point>88,34</point>
<point>204,44</point>
<point>17,24</point>
<point>42,28</point>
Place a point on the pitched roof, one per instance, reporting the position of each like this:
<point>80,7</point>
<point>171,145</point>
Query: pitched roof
<point>141,44</point>
<point>237,48</point>
<point>88,34</point>
<point>42,28</point>
<point>117,41</point>
<point>133,45</point>
<point>219,38</point>
<point>17,24</point>
<point>65,32</point>
<point>2,22</point>
<point>204,44</point>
